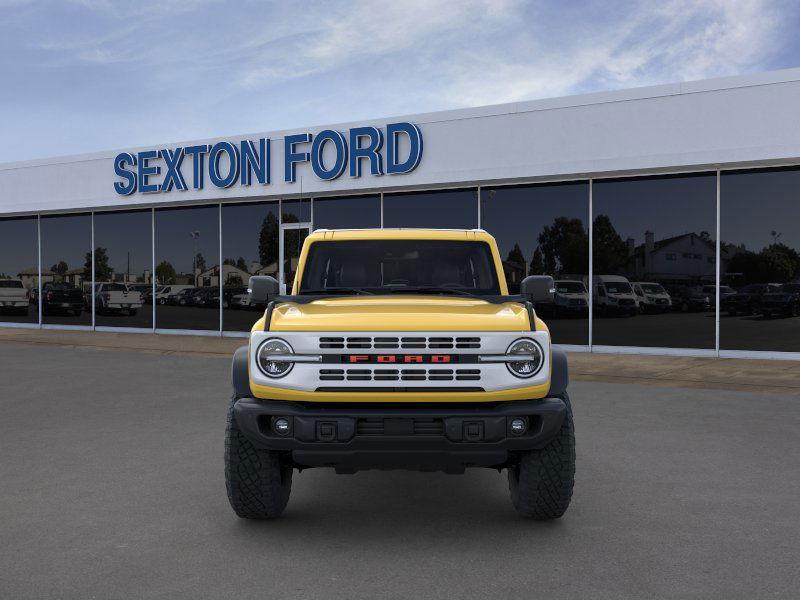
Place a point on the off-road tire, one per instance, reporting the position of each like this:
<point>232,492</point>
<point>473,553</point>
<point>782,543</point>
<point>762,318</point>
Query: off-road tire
<point>258,482</point>
<point>541,482</point>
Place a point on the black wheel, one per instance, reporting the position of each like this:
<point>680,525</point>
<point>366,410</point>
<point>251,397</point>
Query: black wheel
<point>258,482</point>
<point>541,482</point>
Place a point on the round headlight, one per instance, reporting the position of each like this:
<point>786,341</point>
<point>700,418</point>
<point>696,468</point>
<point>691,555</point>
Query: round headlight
<point>273,368</point>
<point>526,368</point>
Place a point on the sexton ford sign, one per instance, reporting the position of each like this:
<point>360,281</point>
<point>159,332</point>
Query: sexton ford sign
<point>225,164</point>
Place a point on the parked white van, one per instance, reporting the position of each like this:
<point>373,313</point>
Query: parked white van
<point>651,297</point>
<point>613,294</point>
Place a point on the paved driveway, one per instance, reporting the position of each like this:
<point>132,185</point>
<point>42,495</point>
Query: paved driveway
<point>111,487</point>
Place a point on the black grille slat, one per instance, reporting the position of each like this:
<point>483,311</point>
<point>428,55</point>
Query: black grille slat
<point>376,426</point>
<point>390,343</point>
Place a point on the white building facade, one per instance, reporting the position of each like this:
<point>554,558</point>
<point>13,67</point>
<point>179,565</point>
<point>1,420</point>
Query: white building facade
<point>611,183</point>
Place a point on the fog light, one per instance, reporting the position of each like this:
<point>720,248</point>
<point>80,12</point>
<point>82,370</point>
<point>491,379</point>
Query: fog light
<point>281,426</point>
<point>518,426</point>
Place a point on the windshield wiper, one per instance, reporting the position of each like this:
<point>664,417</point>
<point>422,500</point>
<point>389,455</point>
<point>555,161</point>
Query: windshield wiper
<point>335,290</point>
<point>432,290</point>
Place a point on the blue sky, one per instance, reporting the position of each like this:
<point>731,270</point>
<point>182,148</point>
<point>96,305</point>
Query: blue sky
<point>85,75</point>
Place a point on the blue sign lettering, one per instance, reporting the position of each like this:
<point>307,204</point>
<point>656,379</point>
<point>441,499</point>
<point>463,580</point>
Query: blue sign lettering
<point>330,153</point>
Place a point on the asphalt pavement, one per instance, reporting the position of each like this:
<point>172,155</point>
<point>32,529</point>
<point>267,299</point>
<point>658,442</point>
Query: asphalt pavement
<point>111,486</point>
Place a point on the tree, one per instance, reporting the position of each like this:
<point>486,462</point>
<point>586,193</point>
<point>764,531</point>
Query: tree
<point>777,263</point>
<point>102,270</point>
<point>241,264</point>
<point>610,250</point>
<point>60,268</point>
<point>564,247</point>
<point>165,273</point>
<point>268,240</point>
<point>200,262</point>
<point>234,280</point>
<point>537,263</point>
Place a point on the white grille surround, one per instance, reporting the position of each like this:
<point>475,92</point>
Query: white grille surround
<point>331,373</point>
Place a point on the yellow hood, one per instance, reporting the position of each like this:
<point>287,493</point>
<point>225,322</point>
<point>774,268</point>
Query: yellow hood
<point>400,313</point>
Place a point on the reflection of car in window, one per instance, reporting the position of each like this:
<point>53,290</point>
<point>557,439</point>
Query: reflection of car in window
<point>651,297</point>
<point>690,299</point>
<point>14,297</point>
<point>613,295</point>
<point>747,301</point>
<point>783,301</point>
<point>571,298</point>
<point>112,298</point>
<point>62,298</point>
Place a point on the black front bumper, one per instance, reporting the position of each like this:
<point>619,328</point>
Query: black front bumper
<point>351,437</point>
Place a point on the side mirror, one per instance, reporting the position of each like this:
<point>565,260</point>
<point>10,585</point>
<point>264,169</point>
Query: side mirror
<point>538,288</point>
<point>262,289</point>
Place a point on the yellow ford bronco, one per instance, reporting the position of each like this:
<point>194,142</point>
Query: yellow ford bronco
<point>400,349</point>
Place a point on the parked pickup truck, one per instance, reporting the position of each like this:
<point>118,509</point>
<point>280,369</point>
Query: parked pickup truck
<point>13,296</point>
<point>400,349</point>
<point>785,301</point>
<point>112,298</point>
<point>60,297</point>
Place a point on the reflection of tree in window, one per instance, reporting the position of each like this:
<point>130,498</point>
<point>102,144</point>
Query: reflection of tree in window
<point>268,240</point>
<point>564,246</point>
<point>165,273</point>
<point>610,250</point>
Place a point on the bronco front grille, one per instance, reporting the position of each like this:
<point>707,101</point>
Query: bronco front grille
<point>405,342</point>
<point>400,374</point>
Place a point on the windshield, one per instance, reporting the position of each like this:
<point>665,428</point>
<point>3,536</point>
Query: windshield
<point>395,266</point>
<point>616,287</point>
<point>10,283</point>
<point>653,288</point>
<point>570,287</point>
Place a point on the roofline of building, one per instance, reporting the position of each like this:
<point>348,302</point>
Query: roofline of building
<point>546,104</point>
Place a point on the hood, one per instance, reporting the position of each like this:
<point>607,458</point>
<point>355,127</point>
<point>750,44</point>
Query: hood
<point>400,313</point>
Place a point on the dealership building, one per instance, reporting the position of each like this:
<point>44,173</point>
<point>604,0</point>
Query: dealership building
<point>679,203</point>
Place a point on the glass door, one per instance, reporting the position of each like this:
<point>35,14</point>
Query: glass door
<point>292,237</point>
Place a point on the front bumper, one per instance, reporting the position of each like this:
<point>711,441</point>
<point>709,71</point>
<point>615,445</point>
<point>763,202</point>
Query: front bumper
<point>421,437</point>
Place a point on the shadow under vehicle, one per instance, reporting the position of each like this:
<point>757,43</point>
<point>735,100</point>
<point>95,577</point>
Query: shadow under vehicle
<point>651,297</point>
<point>690,299</point>
<point>785,301</point>
<point>747,301</point>
<point>62,298</point>
<point>14,297</point>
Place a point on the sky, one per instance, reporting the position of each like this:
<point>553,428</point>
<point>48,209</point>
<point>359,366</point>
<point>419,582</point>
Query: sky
<point>87,75</point>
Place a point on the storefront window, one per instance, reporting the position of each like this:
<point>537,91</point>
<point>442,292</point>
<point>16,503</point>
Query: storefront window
<point>760,260</point>
<point>296,211</point>
<point>187,268</point>
<point>449,209</point>
<point>67,270</point>
<point>654,261</point>
<point>543,229</point>
<point>123,265</point>
<point>19,270</point>
<point>350,212</point>
<point>249,247</point>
